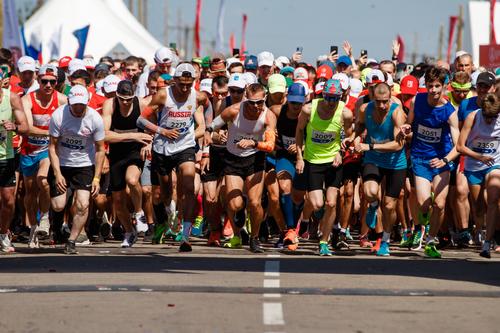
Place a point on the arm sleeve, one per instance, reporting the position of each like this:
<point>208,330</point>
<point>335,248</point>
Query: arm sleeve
<point>268,144</point>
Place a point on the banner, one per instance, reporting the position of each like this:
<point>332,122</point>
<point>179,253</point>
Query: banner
<point>243,47</point>
<point>34,48</point>
<point>453,24</point>
<point>493,38</point>
<point>81,35</point>
<point>219,42</point>
<point>401,54</point>
<point>197,43</point>
<point>55,43</point>
<point>11,34</point>
<point>232,43</point>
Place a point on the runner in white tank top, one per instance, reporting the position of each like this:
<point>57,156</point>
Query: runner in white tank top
<point>171,115</point>
<point>251,134</point>
<point>479,141</point>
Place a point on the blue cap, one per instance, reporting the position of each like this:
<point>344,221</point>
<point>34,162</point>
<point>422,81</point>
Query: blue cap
<point>287,70</point>
<point>251,62</point>
<point>344,60</point>
<point>296,93</point>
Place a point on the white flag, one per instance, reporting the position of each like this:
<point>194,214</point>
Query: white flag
<point>219,42</point>
<point>55,43</point>
<point>11,31</point>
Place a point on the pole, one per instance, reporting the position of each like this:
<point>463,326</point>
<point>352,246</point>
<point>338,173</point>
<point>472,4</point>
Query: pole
<point>460,27</point>
<point>1,23</point>
<point>140,12</point>
<point>166,21</point>
<point>441,42</point>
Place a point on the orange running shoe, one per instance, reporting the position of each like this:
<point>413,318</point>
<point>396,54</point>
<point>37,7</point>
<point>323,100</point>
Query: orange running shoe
<point>291,240</point>
<point>377,245</point>
<point>228,229</point>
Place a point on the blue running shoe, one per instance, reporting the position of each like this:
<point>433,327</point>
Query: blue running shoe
<point>371,216</point>
<point>324,250</point>
<point>384,250</point>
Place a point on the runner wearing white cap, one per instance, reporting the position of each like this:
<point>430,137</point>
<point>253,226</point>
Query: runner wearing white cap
<point>179,112</point>
<point>109,85</point>
<point>165,60</point>
<point>27,70</point>
<point>76,152</point>
<point>265,61</point>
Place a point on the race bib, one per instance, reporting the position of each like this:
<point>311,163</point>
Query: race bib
<point>322,137</point>
<point>74,142</point>
<point>287,141</point>
<point>485,146</point>
<point>38,140</point>
<point>429,134</point>
<point>243,136</point>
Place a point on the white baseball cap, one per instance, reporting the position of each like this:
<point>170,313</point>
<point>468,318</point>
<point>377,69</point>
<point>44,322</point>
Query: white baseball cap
<point>356,87</point>
<point>75,65</point>
<point>232,60</point>
<point>281,62</point>
<point>300,74</point>
<point>185,69</point>
<point>48,69</point>
<point>344,80</point>
<point>375,76</point>
<point>164,55</point>
<point>250,77</point>
<point>78,95</point>
<point>26,63</point>
<point>206,85</point>
<point>89,62</point>
<point>265,59</point>
<point>110,83</point>
<point>98,87</point>
<point>237,80</point>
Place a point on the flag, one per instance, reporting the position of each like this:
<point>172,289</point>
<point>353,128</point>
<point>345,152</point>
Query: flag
<point>232,43</point>
<point>11,32</point>
<point>493,39</point>
<point>197,46</point>
<point>453,24</point>
<point>219,42</point>
<point>81,36</point>
<point>401,54</point>
<point>55,43</point>
<point>34,48</point>
<point>243,47</point>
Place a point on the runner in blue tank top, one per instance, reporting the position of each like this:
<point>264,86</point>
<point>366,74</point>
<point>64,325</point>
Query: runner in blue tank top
<point>433,124</point>
<point>384,158</point>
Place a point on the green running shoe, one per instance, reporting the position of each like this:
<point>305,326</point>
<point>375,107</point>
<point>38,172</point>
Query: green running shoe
<point>197,226</point>
<point>234,243</point>
<point>424,219</point>
<point>324,251</point>
<point>431,251</point>
<point>158,233</point>
<point>406,239</point>
<point>416,242</point>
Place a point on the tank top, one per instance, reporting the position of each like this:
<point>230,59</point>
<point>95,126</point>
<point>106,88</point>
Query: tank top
<point>243,128</point>
<point>33,144</point>
<point>431,131</point>
<point>484,139</point>
<point>6,150</point>
<point>323,139</point>
<point>121,124</point>
<point>286,134</point>
<point>178,115</point>
<point>382,133</point>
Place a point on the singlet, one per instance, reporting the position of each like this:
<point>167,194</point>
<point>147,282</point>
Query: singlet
<point>6,150</point>
<point>286,128</point>
<point>382,133</point>
<point>467,106</point>
<point>34,144</point>
<point>431,131</point>
<point>484,139</point>
<point>243,128</point>
<point>179,115</point>
<point>323,139</point>
<point>121,124</point>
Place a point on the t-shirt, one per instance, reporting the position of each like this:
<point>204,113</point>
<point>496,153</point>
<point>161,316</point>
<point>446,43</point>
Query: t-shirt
<point>76,136</point>
<point>467,106</point>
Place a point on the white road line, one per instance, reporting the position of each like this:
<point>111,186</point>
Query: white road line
<point>273,255</point>
<point>272,295</point>
<point>272,268</point>
<point>273,314</point>
<point>271,283</point>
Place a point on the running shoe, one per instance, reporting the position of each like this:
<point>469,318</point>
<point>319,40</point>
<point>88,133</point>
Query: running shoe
<point>431,251</point>
<point>33,239</point>
<point>148,235</point>
<point>291,239</point>
<point>348,234</point>
<point>227,232</point>
<point>129,239</point>
<point>82,239</point>
<point>424,219</point>
<point>234,243</point>
<point>485,252</point>
<point>141,224</point>
<point>417,238</point>
<point>159,231</point>
<point>364,242</point>
<point>303,228</point>
<point>279,243</point>
<point>406,239</point>
<point>44,227</point>
<point>5,243</point>
<point>376,247</point>
<point>214,238</point>
<point>255,246</point>
<point>185,246</point>
<point>371,216</point>
<point>464,239</point>
<point>324,250</point>
<point>70,248</point>
<point>197,228</point>
<point>342,242</point>
<point>383,251</point>
<point>105,229</point>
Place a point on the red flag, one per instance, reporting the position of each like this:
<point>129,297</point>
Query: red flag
<point>453,24</point>
<point>493,39</point>
<point>401,54</point>
<point>197,43</point>
<point>243,39</point>
<point>232,43</point>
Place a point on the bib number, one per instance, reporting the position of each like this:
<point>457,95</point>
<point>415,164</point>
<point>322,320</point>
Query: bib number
<point>75,143</point>
<point>322,137</point>
<point>429,134</point>
<point>38,140</point>
<point>484,146</point>
<point>287,141</point>
<point>243,136</point>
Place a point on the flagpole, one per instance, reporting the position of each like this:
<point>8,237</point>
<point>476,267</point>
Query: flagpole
<point>460,27</point>
<point>1,25</point>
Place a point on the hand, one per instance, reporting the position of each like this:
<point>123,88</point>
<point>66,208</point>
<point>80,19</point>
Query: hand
<point>361,147</point>
<point>207,139</point>
<point>488,160</point>
<point>333,57</point>
<point>61,184</point>
<point>143,138</point>
<point>5,83</point>
<point>95,188</point>
<point>292,149</point>
<point>171,134</point>
<point>145,152</point>
<point>405,130</point>
<point>246,144</point>
<point>437,163</point>
<point>205,164</point>
<point>223,136</point>
<point>297,56</point>
<point>105,166</point>
<point>347,48</point>
<point>299,166</point>
<point>346,143</point>
<point>9,125</point>
<point>395,47</point>
<point>337,160</point>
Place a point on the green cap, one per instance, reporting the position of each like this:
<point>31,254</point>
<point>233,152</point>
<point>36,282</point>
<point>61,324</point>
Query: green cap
<point>276,84</point>
<point>205,62</point>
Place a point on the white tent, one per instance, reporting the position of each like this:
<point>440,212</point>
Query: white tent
<point>479,22</point>
<point>113,30</point>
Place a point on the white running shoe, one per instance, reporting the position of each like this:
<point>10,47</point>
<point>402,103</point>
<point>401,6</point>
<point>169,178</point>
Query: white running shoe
<point>44,227</point>
<point>5,243</point>
<point>33,240</point>
<point>140,222</point>
<point>129,239</point>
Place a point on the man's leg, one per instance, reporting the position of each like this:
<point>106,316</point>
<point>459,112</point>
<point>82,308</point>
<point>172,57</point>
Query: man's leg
<point>255,185</point>
<point>234,200</point>
<point>187,174</point>
<point>329,216</point>
<point>81,208</point>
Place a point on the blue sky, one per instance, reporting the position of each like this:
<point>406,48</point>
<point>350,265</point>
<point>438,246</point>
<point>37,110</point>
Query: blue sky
<point>280,26</point>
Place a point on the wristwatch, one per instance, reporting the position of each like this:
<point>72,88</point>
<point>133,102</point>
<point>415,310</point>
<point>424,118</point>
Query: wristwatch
<point>209,129</point>
<point>370,145</point>
<point>445,160</point>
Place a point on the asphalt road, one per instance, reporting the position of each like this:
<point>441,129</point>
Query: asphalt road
<point>156,289</point>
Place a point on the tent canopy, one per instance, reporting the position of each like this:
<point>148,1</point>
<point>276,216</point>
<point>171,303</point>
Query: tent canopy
<point>114,31</point>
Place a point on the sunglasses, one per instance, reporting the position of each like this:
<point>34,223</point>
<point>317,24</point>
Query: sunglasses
<point>332,98</point>
<point>382,101</point>
<point>236,91</point>
<point>125,98</point>
<point>51,82</point>
<point>222,94</point>
<point>258,102</point>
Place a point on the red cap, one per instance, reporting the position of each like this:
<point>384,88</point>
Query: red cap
<point>409,85</point>
<point>64,61</point>
<point>324,71</point>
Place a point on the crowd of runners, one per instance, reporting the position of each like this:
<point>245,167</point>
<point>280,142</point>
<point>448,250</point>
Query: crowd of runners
<point>251,150</point>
